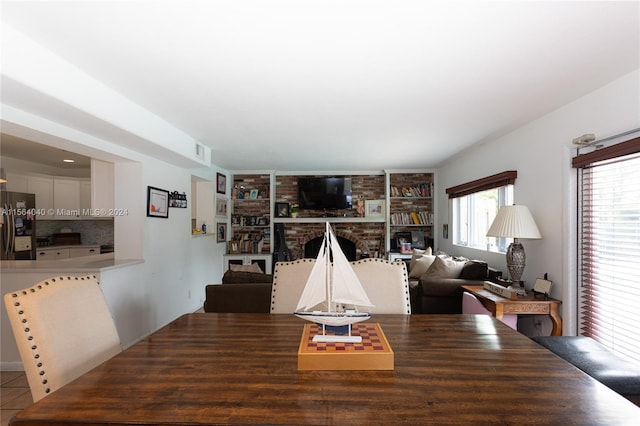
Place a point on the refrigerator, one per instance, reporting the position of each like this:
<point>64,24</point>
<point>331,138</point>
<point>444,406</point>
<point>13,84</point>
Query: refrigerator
<point>18,222</point>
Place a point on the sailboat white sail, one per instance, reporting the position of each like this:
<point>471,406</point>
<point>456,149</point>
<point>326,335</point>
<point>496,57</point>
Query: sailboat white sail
<point>330,286</point>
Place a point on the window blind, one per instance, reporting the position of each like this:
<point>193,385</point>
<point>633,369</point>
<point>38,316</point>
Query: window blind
<point>609,249</point>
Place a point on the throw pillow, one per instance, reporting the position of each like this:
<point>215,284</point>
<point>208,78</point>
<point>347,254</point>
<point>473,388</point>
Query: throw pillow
<point>246,268</point>
<point>241,277</point>
<point>443,268</point>
<point>417,254</point>
<point>474,270</point>
<point>420,265</point>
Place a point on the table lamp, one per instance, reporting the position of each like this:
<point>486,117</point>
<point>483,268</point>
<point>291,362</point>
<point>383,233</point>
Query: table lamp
<point>514,222</point>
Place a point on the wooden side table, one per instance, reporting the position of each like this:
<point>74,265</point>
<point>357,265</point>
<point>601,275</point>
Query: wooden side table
<point>528,304</point>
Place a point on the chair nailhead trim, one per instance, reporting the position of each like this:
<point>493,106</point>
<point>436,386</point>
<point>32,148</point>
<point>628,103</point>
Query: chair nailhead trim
<point>27,329</point>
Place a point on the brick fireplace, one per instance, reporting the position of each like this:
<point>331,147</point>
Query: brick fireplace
<point>368,238</point>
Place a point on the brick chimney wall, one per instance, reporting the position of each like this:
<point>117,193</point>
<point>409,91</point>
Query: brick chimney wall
<point>368,237</point>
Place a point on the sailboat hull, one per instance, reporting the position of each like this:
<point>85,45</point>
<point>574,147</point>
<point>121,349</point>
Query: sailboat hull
<point>335,319</point>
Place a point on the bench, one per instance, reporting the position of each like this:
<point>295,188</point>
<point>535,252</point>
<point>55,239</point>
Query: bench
<point>598,362</point>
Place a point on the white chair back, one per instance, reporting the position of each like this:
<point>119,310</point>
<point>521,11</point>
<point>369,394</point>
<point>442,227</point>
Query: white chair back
<point>289,279</point>
<point>386,283</point>
<point>63,328</point>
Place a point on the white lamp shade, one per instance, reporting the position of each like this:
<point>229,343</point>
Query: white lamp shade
<point>514,222</point>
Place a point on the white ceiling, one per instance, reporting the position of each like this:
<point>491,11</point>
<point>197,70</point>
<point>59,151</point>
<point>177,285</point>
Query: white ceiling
<point>340,85</point>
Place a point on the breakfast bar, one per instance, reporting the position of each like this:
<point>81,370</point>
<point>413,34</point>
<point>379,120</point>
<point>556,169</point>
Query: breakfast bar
<point>242,369</point>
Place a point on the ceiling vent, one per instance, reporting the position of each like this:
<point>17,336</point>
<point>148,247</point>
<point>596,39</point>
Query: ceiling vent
<point>199,151</point>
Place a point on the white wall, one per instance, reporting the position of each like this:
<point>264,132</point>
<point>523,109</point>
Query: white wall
<point>176,266</point>
<point>541,153</point>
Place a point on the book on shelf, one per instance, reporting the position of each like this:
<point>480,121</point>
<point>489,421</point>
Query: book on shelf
<point>411,218</point>
<point>423,190</point>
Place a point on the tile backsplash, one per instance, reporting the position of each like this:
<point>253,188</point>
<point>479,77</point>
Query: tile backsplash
<point>91,231</point>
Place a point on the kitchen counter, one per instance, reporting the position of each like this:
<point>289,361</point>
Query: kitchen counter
<point>112,274</point>
<point>96,263</point>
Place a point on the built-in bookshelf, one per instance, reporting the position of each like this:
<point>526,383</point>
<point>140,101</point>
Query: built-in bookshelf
<point>251,213</point>
<point>410,208</point>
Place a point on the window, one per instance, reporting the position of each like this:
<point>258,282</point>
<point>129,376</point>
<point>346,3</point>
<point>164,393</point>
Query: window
<point>475,205</point>
<point>473,215</point>
<point>609,246</point>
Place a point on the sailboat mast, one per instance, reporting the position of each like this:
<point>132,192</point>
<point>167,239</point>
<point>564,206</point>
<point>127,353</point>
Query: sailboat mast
<point>328,267</point>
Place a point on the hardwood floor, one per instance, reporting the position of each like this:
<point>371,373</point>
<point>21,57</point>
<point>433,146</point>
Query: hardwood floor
<point>14,394</point>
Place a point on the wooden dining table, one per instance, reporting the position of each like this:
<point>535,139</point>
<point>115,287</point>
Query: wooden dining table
<point>207,368</point>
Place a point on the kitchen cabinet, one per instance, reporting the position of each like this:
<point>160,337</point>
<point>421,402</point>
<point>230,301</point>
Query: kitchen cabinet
<point>53,253</point>
<point>85,195</point>
<point>84,251</point>
<point>60,197</point>
<point>66,198</point>
<point>102,199</point>
<point>17,182</point>
<point>42,187</point>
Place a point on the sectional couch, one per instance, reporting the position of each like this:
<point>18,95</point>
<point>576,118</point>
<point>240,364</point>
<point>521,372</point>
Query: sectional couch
<point>437,281</point>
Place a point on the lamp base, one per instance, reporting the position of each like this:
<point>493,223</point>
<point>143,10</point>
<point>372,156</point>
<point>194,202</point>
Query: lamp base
<point>515,261</point>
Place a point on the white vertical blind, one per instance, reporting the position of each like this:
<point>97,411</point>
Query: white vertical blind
<point>609,264</point>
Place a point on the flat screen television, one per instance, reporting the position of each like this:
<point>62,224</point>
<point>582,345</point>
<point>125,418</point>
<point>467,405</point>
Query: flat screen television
<point>324,193</point>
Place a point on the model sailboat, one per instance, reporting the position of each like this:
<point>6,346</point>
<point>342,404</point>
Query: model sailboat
<point>333,292</point>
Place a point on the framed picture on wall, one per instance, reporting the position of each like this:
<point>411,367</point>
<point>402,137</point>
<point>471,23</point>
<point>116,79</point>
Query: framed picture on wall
<point>221,207</point>
<point>221,183</point>
<point>221,232</point>
<point>157,202</point>
<point>374,209</point>
<point>282,210</point>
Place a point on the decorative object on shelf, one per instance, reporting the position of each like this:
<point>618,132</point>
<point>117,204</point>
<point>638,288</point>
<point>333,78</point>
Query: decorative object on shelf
<point>542,286</point>
<point>221,234</point>
<point>253,194</point>
<point>399,239</point>
<point>178,200</point>
<point>234,192</point>
<point>417,239</point>
<point>204,228</point>
<point>157,202</point>
<point>374,209</point>
<point>221,183</point>
<point>360,207</point>
<point>221,207</point>
<point>294,210</point>
<point>514,222</point>
<point>234,247</point>
<point>282,210</point>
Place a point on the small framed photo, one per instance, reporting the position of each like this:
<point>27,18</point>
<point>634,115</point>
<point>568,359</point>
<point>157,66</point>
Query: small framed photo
<point>282,210</point>
<point>221,183</point>
<point>234,247</point>
<point>221,207</point>
<point>374,209</point>
<point>253,194</point>
<point>221,232</point>
<point>157,202</point>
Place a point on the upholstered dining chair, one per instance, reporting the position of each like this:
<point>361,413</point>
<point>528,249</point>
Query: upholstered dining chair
<point>289,279</point>
<point>473,305</point>
<point>386,283</point>
<point>63,328</point>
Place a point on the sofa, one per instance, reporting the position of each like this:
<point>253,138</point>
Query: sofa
<point>240,291</point>
<point>437,281</point>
